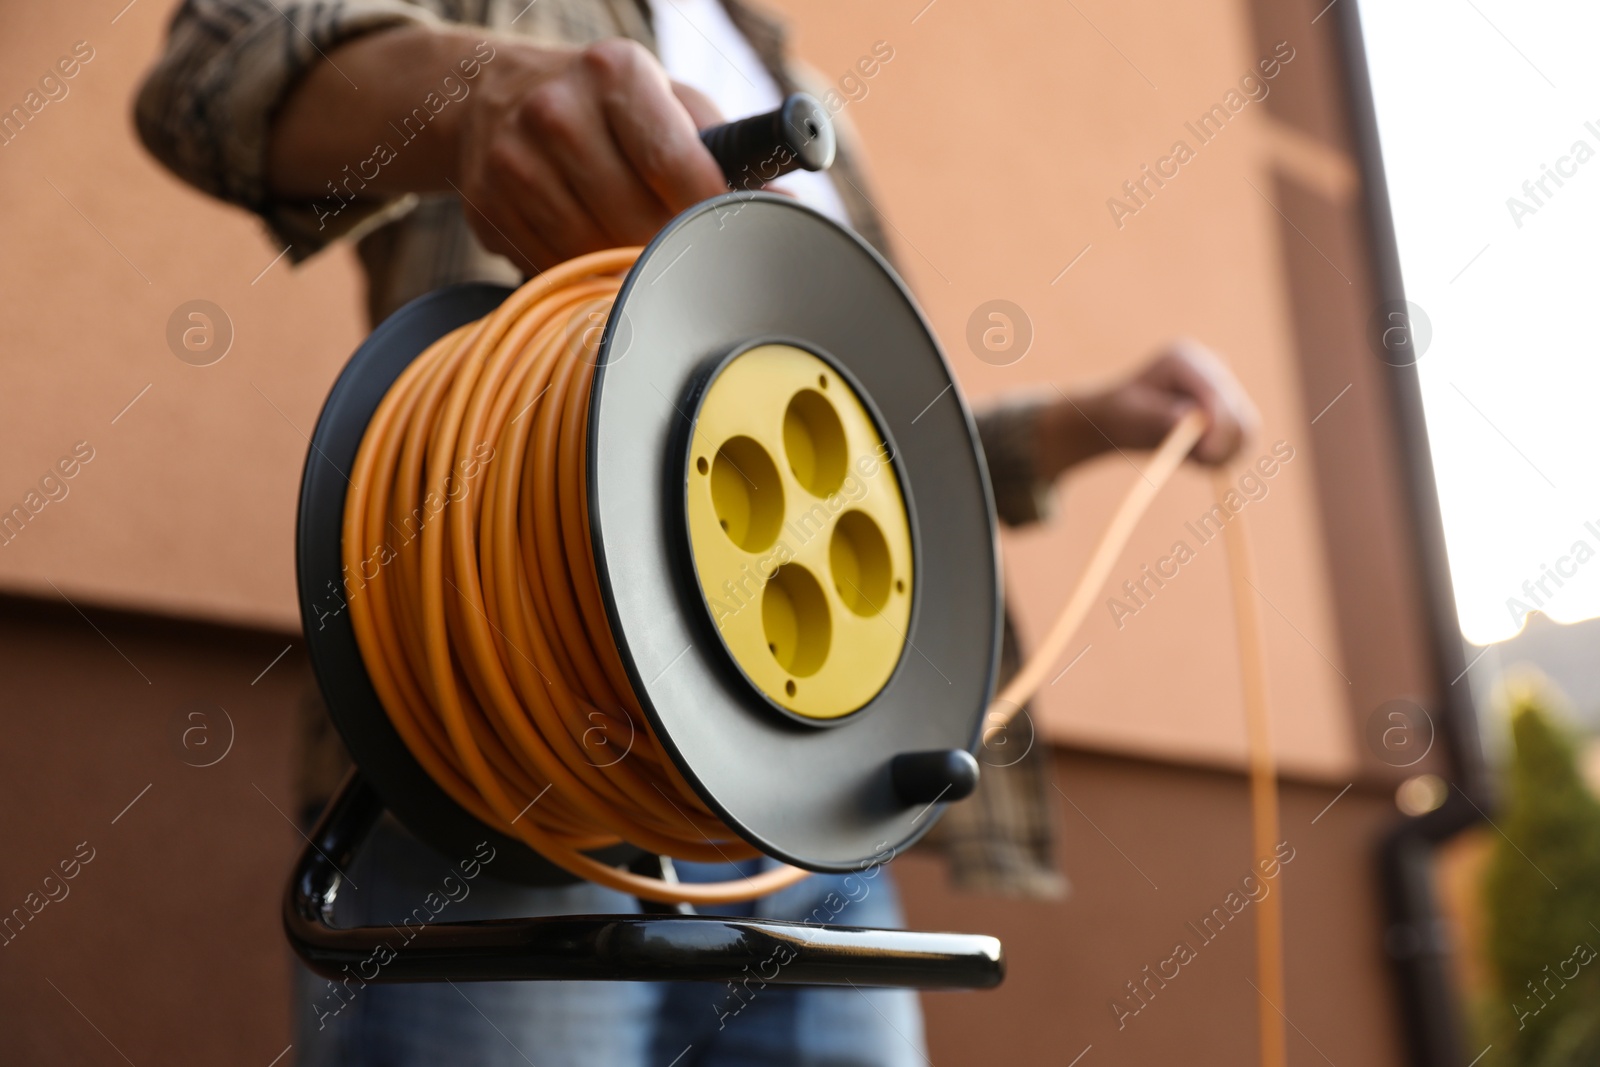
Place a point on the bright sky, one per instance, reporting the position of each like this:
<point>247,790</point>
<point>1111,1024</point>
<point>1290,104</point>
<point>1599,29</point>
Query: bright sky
<point>1474,98</point>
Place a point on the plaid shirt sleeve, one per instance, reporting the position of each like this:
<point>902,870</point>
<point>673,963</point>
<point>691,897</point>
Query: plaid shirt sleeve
<point>206,109</point>
<point>1008,430</point>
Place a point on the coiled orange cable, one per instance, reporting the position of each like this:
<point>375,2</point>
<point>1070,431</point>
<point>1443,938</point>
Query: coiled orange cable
<point>488,644</point>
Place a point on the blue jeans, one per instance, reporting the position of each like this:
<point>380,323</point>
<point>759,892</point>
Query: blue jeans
<point>592,1024</point>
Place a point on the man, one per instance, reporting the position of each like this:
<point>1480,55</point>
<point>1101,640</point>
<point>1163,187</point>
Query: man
<point>478,140</point>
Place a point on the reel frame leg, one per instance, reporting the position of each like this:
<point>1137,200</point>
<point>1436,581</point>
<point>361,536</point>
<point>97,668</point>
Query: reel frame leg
<point>628,948</point>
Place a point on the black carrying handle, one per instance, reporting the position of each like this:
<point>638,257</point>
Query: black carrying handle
<point>753,151</point>
<point>627,948</point>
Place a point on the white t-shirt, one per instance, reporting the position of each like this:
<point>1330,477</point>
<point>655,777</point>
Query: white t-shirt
<point>700,47</point>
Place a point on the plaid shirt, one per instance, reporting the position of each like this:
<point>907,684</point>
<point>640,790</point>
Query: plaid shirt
<point>206,111</point>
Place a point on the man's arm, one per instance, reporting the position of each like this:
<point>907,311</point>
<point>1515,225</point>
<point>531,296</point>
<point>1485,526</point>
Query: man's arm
<point>316,117</point>
<point>1031,441</point>
<point>556,152</point>
<point>360,95</point>
<point>1139,411</point>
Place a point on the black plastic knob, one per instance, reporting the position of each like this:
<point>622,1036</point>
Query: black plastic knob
<point>944,774</point>
<point>755,150</point>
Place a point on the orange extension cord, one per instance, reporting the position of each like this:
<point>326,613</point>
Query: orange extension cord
<point>1252,671</point>
<point>1168,457</point>
<point>490,648</point>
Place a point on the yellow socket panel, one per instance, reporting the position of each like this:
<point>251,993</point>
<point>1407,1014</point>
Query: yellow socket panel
<point>799,533</point>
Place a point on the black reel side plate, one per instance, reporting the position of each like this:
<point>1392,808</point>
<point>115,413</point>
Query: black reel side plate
<point>727,271</point>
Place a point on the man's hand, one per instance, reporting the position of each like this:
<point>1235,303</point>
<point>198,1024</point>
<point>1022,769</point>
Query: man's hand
<point>556,152</point>
<point>1139,411</point>
<point>562,153</point>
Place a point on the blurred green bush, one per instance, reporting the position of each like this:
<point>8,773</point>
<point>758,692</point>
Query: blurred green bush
<point>1542,902</point>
